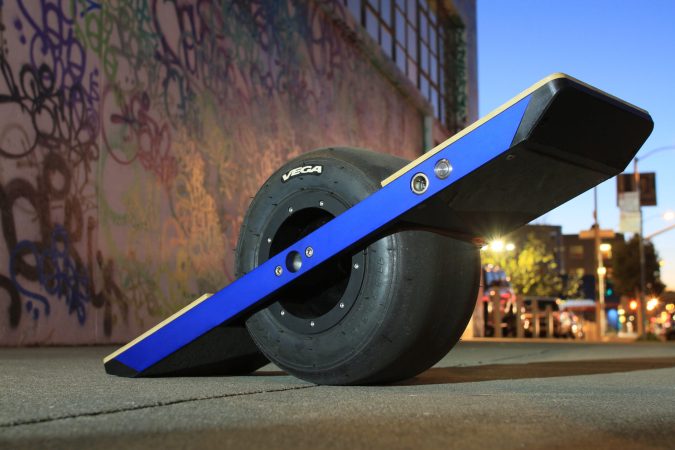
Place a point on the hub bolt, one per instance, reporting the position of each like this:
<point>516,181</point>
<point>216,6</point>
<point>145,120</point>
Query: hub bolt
<point>309,251</point>
<point>278,271</point>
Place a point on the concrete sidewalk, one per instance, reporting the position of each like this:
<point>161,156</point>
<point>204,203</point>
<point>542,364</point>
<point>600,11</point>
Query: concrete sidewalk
<point>482,395</point>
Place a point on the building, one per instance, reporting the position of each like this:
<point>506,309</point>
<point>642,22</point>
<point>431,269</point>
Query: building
<point>574,255</point>
<point>133,137</point>
<point>580,258</point>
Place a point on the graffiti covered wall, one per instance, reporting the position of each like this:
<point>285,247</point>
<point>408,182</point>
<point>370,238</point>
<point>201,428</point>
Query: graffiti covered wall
<point>133,134</point>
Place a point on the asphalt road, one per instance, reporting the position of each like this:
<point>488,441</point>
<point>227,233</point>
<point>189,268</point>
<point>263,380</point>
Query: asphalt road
<point>483,395</point>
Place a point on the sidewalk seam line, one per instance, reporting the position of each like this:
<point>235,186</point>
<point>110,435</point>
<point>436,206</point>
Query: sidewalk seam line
<point>139,407</point>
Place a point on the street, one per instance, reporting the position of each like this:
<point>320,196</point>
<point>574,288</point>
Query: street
<point>482,395</point>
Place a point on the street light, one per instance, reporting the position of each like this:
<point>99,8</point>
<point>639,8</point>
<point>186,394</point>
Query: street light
<point>666,216</point>
<point>498,246</point>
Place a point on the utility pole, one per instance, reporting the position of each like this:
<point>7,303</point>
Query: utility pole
<point>643,311</point>
<point>600,270</point>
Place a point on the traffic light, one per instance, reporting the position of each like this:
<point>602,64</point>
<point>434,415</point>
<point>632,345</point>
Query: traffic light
<point>609,289</point>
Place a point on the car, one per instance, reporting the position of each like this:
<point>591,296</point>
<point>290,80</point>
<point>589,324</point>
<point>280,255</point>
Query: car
<point>669,329</point>
<point>565,324</point>
<point>496,284</point>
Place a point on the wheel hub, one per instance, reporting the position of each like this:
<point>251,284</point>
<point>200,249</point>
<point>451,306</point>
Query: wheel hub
<point>318,302</point>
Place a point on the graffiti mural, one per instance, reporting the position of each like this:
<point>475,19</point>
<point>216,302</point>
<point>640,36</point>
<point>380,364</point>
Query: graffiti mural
<point>133,134</point>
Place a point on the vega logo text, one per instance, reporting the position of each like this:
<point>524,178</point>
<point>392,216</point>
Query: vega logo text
<point>304,170</point>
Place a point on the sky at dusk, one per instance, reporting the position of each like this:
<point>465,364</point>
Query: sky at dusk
<point>626,48</point>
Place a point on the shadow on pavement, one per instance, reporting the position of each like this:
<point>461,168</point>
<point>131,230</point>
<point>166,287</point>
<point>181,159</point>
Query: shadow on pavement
<point>268,373</point>
<point>449,375</point>
<point>490,372</point>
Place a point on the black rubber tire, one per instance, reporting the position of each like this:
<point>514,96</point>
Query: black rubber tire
<point>416,297</point>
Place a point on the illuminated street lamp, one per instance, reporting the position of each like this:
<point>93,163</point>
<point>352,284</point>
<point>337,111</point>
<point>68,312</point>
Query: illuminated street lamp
<point>652,303</point>
<point>497,246</point>
<point>666,216</point>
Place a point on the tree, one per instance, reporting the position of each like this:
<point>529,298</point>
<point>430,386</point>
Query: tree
<point>626,268</point>
<point>533,271</point>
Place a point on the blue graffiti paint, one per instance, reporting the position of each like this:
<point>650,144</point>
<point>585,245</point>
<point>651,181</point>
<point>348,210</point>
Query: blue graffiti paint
<point>53,42</point>
<point>58,274</point>
<point>90,5</point>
